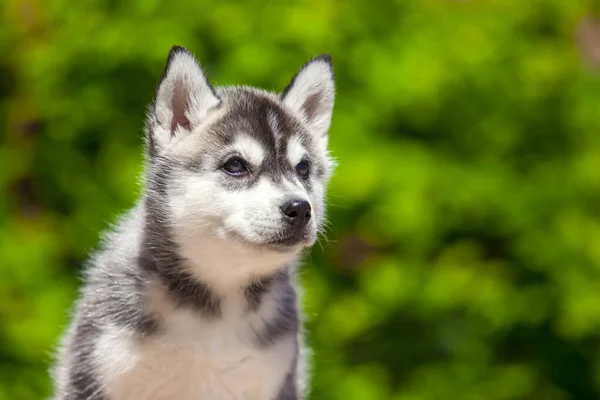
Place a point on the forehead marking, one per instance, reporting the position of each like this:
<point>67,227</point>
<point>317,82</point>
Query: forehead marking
<point>295,150</point>
<point>250,149</point>
<point>274,122</point>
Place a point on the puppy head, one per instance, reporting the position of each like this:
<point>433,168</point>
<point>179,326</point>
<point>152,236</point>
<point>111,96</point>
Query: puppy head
<point>241,165</point>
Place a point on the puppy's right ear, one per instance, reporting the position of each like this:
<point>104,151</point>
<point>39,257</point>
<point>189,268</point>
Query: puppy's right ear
<point>184,98</point>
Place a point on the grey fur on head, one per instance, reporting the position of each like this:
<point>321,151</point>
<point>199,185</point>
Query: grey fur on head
<point>192,295</point>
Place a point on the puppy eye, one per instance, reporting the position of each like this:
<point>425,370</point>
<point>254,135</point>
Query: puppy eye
<point>235,166</point>
<point>302,169</point>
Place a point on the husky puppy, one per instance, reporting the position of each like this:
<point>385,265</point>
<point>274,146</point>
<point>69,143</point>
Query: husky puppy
<point>192,295</point>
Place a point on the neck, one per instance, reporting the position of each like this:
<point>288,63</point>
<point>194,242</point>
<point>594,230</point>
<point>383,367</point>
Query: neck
<point>203,272</point>
<point>227,267</point>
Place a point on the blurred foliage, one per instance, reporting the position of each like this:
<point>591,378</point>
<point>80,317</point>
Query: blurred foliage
<point>463,260</point>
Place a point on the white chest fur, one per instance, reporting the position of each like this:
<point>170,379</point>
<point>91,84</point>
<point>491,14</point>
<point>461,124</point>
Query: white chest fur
<point>196,359</point>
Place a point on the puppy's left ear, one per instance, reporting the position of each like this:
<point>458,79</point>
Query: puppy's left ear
<point>311,93</point>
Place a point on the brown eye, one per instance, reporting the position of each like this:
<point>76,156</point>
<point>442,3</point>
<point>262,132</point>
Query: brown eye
<point>302,169</point>
<point>235,166</point>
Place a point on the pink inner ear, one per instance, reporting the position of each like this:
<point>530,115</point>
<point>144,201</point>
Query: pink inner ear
<point>180,104</point>
<point>312,106</point>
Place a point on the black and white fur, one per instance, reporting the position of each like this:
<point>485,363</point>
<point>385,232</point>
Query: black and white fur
<point>192,295</point>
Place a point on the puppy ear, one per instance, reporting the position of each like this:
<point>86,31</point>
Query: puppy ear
<point>311,93</point>
<point>184,98</point>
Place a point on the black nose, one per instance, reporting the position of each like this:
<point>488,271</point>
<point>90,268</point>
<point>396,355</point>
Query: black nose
<point>297,212</point>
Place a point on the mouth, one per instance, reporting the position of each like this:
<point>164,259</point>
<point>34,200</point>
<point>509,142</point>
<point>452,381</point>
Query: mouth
<point>290,241</point>
<point>281,241</point>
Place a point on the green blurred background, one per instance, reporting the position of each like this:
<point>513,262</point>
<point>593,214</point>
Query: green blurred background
<point>463,260</point>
